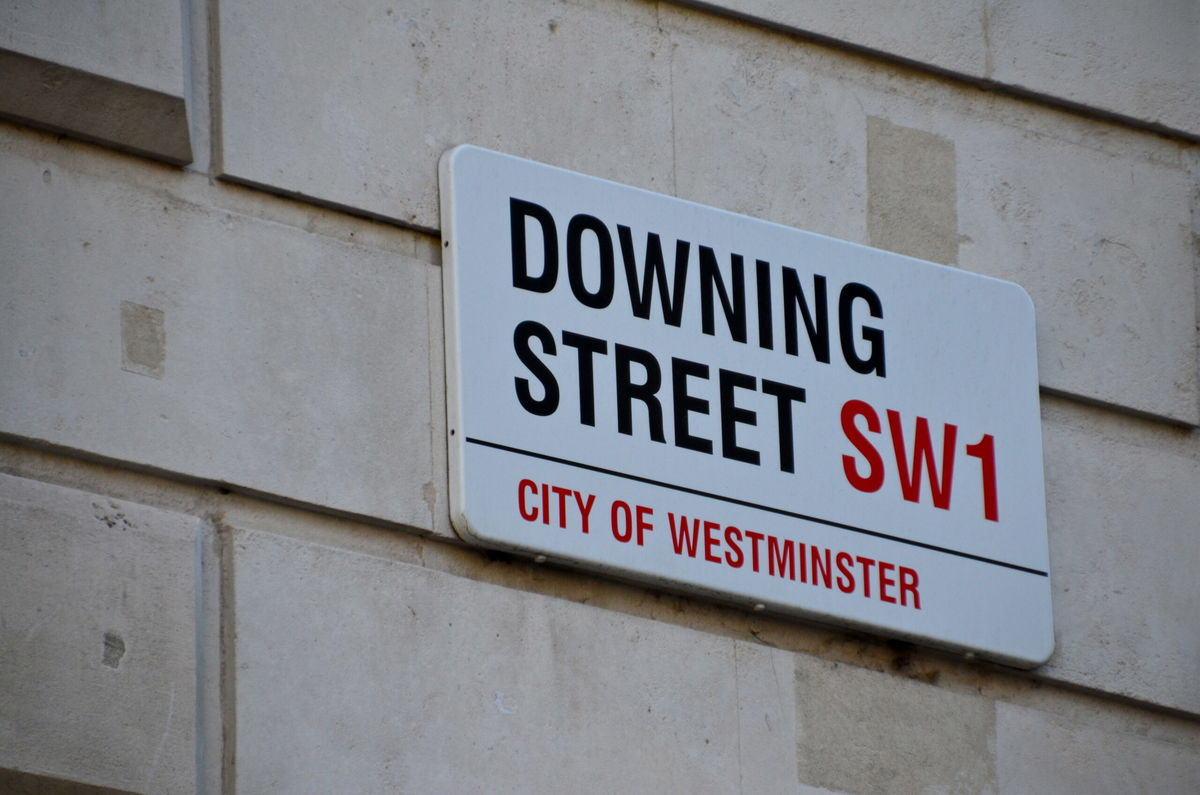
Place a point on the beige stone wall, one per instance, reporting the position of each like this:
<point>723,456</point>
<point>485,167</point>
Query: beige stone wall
<point>226,563</point>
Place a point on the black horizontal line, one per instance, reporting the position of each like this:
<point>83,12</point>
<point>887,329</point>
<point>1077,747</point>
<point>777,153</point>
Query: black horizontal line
<point>746,503</point>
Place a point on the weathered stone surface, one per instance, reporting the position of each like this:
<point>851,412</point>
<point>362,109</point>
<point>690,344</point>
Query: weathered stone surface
<point>789,143</point>
<point>1093,226</point>
<point>1122,508</point>
<point>866,732</point>
<point>766,718</point>
<point>581,84</point>
<point>106,72</point>
<point>941,33</point>
<point>144,327</point>
<point>359,673</point>
<point>97,646</point>
<point>1137,60</point>
<point>139,42</point>
<point>1041,752</point>
<point>912,192</point>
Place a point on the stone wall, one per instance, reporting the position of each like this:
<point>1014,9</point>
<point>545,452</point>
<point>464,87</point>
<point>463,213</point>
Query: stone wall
<point>227,563</point>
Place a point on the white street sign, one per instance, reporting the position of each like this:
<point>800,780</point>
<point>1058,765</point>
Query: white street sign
<point>725,406</point>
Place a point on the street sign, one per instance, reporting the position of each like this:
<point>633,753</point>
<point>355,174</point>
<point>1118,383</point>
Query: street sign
<point>729,407</point>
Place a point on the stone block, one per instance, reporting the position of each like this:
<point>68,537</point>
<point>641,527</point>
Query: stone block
<point>582,84</point>
<point>945,34</point>
<point>912,192</point>
<point>139,42</point>
<point>760,130</point>
<point>1122,508</point>
<point>107,72</point>
<point>1096,228</point>
<point>867,732</point>
<point>1136,60</point>
<point>766,718</point>
<point>97,605</point>
<point>1041,752</point>
<point>360,673</point>
<point>1094,223</point>
<point>142,326</point>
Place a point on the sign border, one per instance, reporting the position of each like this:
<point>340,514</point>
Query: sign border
<point>456,462</point>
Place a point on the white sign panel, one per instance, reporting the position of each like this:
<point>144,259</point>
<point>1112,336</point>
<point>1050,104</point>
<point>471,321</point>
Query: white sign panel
<point>730,407</point>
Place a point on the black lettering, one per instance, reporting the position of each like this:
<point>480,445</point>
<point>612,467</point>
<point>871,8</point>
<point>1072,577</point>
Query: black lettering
<point>587,348</point>
<point>875,359</point>
<point>639,297</point>
<point>785,395</point>
<point>766,332</point>
<point>683,404</point>
<point>628,391</point>
<point>604,292</point>
<point>548,404</point>
<point>518,211</point>
<point>818,328</point>
<point>732,415</point>
<point>735,307</point>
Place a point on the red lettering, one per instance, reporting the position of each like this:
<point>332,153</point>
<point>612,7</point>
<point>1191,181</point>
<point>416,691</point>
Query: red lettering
<point>873,480</point>
<point>781,557</point>
<point>733,555</point>
<point>754,537</point>
<point>908,585</point>
<point>524,485</point>
<point>822,570</point>
<point>621,507</point>
<point>867,564</point>
<point>910,479</point>
<point>585,508</point>
<point>885,582</point>
<point>985,451</point>
<point>847,571</point>
<point>562,495</point>
<point>682,536</point>
<point>545,504</point>
<point>710,542</point>
<point>845,580</point>
<point>643,523</point>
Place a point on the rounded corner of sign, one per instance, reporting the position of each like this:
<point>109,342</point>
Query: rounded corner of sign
<point>1037,656</point>
<point>451,157</point>
<point>464,530</point>
<point>470,534</point>
<point>1043,656</point>
<point>1024,298</point>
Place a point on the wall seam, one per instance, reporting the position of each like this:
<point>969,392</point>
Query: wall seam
<point>216,123</point>
<point>228,655</point>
